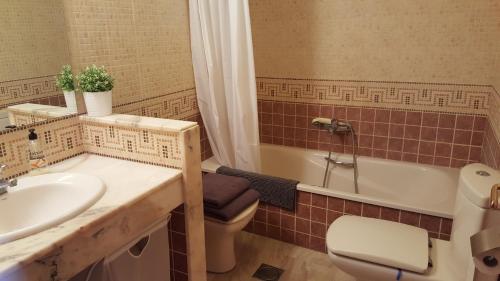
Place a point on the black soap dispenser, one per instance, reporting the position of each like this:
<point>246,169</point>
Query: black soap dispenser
<point>35,152</point>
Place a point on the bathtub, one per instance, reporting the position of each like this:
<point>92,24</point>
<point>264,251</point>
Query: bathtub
<point>401,185</point>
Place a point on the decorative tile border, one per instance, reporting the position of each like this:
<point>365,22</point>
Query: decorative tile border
<point>445,139</point>
<point>176,105</point>
<point>158,147</point>
<point>36,90</point>
<point>452,98</point>
<point>307,226</point>
<point>60,139</point>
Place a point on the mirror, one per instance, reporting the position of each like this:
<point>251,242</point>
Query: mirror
<point>33,47</point>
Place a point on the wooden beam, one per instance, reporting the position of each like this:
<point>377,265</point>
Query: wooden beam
<point>193,204</point>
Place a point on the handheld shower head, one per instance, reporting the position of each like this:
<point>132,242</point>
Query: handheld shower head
<point>322,123</point>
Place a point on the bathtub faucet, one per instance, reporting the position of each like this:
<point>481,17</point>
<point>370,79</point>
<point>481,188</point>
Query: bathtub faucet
<point>332,125</point>
<point>340,126</point>
<point>335,126</point>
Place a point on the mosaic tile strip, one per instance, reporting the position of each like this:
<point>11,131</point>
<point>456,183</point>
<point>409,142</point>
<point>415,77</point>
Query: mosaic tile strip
<point>444,139</point>
<point>177,105</point>
<point>157,147</point>
<point>307,226</point>
<point>36,90</point>
<point>453,98</point>
<point>60,139</point>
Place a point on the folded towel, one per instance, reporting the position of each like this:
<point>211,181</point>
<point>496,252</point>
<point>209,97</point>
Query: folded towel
<point>235,207</point>
<point>273,190</point>
<point>219,190</point>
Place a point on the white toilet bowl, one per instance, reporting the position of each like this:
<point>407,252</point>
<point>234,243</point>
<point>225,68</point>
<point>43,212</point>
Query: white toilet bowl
<point>219,239</point>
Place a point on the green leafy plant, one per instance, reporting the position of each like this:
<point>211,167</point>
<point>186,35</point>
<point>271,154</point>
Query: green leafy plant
<point>64,80</point>
<point>95,79</point>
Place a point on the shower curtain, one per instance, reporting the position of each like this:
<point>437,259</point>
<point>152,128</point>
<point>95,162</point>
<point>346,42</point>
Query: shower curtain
<point>222,51</point>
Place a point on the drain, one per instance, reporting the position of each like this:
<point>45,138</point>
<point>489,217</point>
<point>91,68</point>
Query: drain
<point>268,273</point>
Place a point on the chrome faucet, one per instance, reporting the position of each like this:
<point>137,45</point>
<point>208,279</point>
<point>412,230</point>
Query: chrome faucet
<point>335,126</point>
<point>340,126</point>
<point>5,184</point>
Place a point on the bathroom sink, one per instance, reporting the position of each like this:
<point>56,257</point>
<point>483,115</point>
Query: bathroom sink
<point>41,202</point>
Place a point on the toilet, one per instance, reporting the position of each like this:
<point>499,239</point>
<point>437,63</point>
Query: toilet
<point>229,204</point>
<point>219,239</point>
<point>377,250</point>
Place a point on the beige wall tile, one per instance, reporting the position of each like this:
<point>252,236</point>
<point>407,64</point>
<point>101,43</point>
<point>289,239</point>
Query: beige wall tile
<point>446,41</point>
<point>144,44</point>
<point>33,47</point>
<point>33,39</point>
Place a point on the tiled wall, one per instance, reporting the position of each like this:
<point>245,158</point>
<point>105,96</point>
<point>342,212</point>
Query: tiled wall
<point>392,120</point>
<point>452,41</point>
<point>146,47</point>
<point>40,90</point>
<point>144,44</point>
<point>441,46</point>
<point>491,147</point>
<point>177,239</point>
<point>206,150</point>
<point>60,139</point>
<point>307,226</point>
<point>156,147</point>
<point>34,47</point>
<point>438,97</point>
<point>176,105</point>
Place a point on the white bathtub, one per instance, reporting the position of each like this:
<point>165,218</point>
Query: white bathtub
<point>407,186</point>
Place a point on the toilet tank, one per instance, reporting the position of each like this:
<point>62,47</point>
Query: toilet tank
<point>471,213</point>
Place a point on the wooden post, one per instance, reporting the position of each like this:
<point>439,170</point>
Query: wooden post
<point>193,204</point>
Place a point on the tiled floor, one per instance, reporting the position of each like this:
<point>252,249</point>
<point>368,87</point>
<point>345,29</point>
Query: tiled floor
<point>300,264</point>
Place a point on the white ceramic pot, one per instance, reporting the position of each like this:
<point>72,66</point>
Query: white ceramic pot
<point>98,104</point>
<point>70,98</point>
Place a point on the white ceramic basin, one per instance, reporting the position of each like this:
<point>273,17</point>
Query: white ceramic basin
<point>41,202</point>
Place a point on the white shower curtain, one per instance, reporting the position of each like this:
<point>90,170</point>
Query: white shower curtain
<point>221,43</point>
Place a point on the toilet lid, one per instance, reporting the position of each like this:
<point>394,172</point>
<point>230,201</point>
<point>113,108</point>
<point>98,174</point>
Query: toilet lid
<point>378,241</point>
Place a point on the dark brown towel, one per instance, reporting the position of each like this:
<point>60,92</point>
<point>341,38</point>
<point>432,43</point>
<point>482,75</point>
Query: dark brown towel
<point>219,190</point>
<point>234,208</point>
<point>276,191</point>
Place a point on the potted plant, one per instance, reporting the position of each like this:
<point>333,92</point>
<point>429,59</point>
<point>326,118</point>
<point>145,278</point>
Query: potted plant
<point>96,85</point>
<point>65,82</point>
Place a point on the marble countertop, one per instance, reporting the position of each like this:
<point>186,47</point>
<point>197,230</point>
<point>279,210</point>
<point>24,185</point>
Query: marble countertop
<point>41,109</point>
<point>141,181</point>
